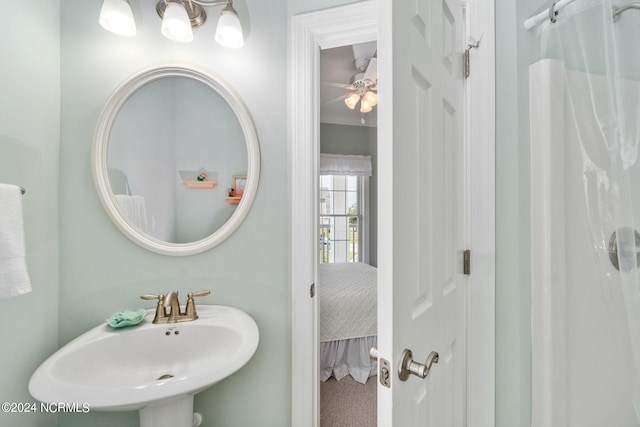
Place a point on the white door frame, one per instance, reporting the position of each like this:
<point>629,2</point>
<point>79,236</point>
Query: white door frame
<point>346,25</point>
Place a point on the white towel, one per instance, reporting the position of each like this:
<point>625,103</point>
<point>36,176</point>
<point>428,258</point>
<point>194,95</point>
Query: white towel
<point>134,209</point>
<point>14,279</point>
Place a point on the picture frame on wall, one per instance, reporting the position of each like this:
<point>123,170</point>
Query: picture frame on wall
<point>239,182</point>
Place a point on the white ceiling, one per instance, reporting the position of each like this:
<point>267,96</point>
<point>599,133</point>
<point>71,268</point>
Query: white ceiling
<point>336,70</point>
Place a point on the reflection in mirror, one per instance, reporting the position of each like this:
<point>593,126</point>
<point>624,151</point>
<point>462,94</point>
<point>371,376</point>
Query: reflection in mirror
<point>171,125</point>
<point>170,145</point>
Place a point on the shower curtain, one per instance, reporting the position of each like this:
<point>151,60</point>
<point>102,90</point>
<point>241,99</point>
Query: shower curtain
<point>585,207</point>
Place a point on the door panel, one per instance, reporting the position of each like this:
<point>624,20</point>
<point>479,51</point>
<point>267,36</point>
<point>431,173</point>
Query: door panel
<point>424,140</point>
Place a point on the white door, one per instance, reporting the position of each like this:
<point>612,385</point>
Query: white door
<point>422,287</point>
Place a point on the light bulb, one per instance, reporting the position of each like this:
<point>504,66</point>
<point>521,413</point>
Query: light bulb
<point>117,17</point>
<point>372,98</point>
<point>365,107</point>
<point>229,30</point>
<point>352,100</point>
<point>176,25</point>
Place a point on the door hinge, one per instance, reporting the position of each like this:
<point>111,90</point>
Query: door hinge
<point>312,290</point>
<point>466,65</point>
<point>466,262</point>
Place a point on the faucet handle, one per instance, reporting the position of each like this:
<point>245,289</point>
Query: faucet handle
<point>190,309</point>
<point>160,310</point>
<point>198,294</point>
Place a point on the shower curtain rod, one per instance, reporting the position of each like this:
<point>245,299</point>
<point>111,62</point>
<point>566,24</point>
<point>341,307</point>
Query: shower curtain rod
<point>547,14</point>
<point>553,11</point>
<point>617,11</point>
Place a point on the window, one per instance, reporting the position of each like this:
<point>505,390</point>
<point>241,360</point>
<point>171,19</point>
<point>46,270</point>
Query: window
<point>344,187</point>
<point>341,218</point>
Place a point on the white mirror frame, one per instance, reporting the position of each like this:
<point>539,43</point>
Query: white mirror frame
<point>99,157</point>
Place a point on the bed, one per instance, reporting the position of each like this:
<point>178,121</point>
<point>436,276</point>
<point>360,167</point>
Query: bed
<point>348,320</point>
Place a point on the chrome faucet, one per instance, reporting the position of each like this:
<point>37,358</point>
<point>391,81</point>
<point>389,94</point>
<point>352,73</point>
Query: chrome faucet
<point>171,302</point>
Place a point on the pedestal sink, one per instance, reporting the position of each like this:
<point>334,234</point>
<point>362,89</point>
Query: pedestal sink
<point>155,369</point>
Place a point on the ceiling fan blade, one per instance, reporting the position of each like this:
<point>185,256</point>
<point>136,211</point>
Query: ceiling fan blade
<point>338,85</point>
<point>371,75</point>
<point>365,50</point>
<point>339,98</point>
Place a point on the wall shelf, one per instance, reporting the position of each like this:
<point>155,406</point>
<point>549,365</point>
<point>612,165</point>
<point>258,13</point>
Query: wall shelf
<point>190,179</point>
<point>234,200</point>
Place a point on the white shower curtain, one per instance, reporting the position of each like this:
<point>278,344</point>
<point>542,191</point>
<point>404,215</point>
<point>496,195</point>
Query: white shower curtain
<point>584,90</point>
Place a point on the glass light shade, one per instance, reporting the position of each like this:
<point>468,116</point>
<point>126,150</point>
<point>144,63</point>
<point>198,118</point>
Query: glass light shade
<point>365,107</point>
<point>372,98</point>
<point>117,17</point>
<point>229,30</point>
<point>175,23</point>
<point>352,100</point>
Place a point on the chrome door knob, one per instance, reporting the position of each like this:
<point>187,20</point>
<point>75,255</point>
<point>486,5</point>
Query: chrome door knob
<point>409,366</point>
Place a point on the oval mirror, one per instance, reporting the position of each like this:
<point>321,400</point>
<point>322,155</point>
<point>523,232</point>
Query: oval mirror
<point>176,159</point>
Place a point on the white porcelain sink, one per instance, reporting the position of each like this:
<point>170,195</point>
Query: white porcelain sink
<point>151,368</point>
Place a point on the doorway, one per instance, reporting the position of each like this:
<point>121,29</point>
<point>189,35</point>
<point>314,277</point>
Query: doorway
<point>347,270</point>
<point>326,29</point>
<point>348,25</point>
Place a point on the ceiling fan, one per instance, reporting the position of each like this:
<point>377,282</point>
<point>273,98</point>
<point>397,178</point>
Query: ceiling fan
<point>363,86</point>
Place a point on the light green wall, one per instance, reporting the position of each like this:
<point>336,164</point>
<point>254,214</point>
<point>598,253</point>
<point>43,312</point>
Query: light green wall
<point>512,287</point>
<point>102,271</point>
<point>515,50</point>
<point>29,150</point>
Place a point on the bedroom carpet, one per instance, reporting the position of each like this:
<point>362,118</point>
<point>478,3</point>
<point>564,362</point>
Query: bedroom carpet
<point>347,403</point>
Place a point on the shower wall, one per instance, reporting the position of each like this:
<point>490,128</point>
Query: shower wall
<point>582,370</point>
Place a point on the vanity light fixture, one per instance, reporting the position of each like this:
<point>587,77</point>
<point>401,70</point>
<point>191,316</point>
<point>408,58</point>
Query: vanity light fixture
<point>179,18</point>
<point>116,16</point>
<point>229,30</point>
<point>176,23</point>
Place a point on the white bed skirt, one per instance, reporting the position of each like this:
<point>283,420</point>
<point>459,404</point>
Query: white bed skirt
<point>348,357</point>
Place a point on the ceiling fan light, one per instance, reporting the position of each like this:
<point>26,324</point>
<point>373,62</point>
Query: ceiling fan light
<point>117,17</point>
<point>229,31</point>
<point>176,25</point>
<point>372,98</point>
<point>365,107</point>
<point>352,100</point>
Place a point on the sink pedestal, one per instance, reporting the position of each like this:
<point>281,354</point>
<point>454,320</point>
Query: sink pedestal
<point>175,412</point>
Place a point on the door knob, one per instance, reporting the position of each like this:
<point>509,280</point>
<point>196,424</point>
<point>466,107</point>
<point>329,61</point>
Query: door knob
<point>409,366</point>
<point>373,353</point>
